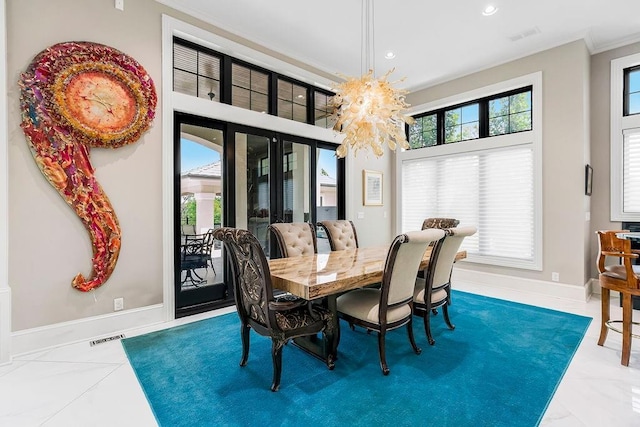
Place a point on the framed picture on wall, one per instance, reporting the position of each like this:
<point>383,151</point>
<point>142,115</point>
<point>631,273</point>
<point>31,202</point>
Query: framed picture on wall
<point>371,188</point>
<point>588,180</point>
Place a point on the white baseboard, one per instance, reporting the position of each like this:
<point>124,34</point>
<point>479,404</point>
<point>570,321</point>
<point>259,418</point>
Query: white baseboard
<point>5,325</point>
<point>36,339</point>
<point>491,280</point>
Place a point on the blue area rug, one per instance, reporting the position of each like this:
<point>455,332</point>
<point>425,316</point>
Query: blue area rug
<point>499,367</point>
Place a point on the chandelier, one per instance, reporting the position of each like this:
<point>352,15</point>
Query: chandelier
<point>369,110</point>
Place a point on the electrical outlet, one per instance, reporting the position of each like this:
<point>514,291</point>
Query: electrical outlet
<point>119,4</point>
<point>118,304</point>
<point>555,277</point>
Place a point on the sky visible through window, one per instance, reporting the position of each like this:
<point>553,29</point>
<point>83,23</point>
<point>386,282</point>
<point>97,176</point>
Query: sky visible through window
<point>194,155</point>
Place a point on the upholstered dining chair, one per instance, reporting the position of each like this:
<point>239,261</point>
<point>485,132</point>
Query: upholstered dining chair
<point>341,234</point>
<point>622,278</point>
<point>442,223</point>
<point>281,319</point>
<point>295,238</point>
<point>390,306</point>
<point>434,290</point>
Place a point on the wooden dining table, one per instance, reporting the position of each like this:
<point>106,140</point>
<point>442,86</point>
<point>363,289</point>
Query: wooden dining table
<point>322,277</point>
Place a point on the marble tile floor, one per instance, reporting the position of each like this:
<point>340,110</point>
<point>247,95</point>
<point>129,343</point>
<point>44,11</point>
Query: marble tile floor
<point>80,385</point>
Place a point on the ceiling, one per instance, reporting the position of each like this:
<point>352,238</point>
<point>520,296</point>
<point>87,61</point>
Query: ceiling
<point>433,41</point>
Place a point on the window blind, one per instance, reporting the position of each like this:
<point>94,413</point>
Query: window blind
<point>491,189</point>
<point>631,171</point>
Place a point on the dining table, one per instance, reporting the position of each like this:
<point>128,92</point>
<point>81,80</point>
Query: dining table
<point>323,277</point>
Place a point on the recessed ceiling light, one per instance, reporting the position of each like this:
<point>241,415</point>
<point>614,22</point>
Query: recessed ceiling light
<point>489,10</point>
<point>389,55</point>
<point>300,96</point>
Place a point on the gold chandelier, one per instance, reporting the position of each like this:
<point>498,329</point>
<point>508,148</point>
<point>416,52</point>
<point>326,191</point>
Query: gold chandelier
<point>369,110</point>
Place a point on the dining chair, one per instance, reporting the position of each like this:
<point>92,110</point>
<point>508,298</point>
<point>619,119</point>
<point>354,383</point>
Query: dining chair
<point>295,238</point>
<point>434,290</point>
<point>623,278</point>
<point>341,234</point>
<point>442,223</point>
<point>390,306</point>
<point>280,318</point>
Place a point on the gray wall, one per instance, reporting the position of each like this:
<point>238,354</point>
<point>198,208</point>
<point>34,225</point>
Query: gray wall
<point>600,144</point>
<point>565,79</point>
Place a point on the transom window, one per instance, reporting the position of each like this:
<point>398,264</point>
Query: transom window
<point>249,88</point>
<point>461,123</point>
<point>322,111</point>
<point>196,73</point>
<point>632,91</point>
<point>199,71</point>
<point>500,114</point>
<point>292,101</point>
<point>509,114</point>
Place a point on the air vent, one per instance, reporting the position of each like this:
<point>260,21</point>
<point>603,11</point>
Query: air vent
<point>527,33</point>
<point>107,339</point>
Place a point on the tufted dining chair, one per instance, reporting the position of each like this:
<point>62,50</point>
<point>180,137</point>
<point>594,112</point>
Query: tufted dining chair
<point>280,318</point>
<point>434,290</point>
<point>622,278</point>
<point>294,238</point>
<point>390,306</point>
<point>341,233</point>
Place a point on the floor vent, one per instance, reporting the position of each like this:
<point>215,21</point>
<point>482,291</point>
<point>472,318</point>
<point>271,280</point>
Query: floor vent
<point>107,339</point>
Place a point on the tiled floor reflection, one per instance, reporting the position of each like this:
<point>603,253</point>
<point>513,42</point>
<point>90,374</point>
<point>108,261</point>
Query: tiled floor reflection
<point>79,385</point>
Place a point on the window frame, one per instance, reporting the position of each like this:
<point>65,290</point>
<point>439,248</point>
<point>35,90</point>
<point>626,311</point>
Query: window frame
<point>626,94</point>
<point>531,137</point>
<point>225,82</point>
<point>483,115</point>
<point>618,124</point>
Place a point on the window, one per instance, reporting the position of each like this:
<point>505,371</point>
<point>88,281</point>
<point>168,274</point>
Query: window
<point>461,123</point>
<point>249,88</point>
<point>263,167</point>
<point>500,114</point>
<point>292,101</point>
<point>424,132</point>
<point>289,162</point>
<point>196,73</point>
<point>199,71</point>
<point>322,112</point>
<point>493,184</point>
<point>625,139</point>
<point>632,91</point>
<point>510,114</point>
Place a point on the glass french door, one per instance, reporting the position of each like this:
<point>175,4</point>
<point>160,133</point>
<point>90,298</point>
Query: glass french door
<point>283,178</point>
<point>238,176</point>
<point>199,189</point>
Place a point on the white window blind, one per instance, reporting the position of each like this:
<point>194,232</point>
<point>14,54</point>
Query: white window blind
<point>631,171</point>
<point>491,189</point>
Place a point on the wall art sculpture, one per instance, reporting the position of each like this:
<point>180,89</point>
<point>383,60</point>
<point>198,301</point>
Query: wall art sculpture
<point>74,96</point>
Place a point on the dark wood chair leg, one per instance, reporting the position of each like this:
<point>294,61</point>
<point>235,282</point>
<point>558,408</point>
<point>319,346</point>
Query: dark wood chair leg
<point>412,340</point>
<point>244,334</point>
<point>605,316</point>
<point>276,355</point>
<point>381,349</point>
<point>427,328</point>
<point>627,313</point>
<point>445,313</point>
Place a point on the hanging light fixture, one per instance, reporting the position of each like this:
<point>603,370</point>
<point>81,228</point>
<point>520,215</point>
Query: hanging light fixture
<point>369,110</point>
